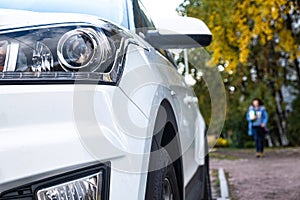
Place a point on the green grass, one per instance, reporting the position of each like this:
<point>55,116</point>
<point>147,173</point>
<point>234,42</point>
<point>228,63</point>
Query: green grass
<point>215,182</point>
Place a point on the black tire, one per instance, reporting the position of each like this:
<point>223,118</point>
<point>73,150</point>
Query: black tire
<point>206,180</point>
<point>161,181</point>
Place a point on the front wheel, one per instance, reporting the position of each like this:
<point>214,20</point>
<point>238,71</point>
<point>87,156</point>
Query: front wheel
<point>162,181</point>
<point>206,180</point>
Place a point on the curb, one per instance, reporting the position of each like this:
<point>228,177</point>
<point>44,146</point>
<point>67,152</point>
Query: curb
<point>223,185</point>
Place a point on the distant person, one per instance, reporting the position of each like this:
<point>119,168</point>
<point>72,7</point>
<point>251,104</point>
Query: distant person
<point>257,117</point>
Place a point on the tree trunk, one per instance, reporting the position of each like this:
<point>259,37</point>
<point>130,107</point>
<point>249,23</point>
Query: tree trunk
<point>298,74</point>
<point>281,119</point>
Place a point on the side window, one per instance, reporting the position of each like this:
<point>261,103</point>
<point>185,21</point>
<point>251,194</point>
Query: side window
<point>143,23</point>
<point>142,20</point>
<point>167,54</point>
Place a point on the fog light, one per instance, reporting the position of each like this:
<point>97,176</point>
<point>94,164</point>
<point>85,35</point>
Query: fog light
<point>87,188</point>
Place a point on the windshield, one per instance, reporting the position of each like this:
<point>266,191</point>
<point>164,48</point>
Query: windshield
<point>112,10</point>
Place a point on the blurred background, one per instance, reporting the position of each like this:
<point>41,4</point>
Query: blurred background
<point>256,49</point>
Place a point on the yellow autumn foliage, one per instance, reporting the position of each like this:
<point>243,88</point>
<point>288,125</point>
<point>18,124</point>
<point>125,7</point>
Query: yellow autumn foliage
<point>237,24</point>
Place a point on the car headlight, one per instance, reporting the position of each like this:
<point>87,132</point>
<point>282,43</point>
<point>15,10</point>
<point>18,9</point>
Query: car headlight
<point>71,51</point>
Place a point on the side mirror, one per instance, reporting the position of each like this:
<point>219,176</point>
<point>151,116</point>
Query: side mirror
<point>179,33</point>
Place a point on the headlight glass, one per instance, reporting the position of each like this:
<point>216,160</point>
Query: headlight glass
<point>3,49</point>
<point>87,188</point>
<point>81,48</point>
<point>42,58</point>
<point>77,50</point>
<point>63,52</point>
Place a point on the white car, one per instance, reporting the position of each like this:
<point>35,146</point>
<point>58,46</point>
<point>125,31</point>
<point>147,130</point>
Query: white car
<point>92,106</point>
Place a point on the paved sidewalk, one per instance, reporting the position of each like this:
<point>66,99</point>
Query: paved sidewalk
<point>276,176</point>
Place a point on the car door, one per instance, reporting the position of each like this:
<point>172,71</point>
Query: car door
<point>184,100</point>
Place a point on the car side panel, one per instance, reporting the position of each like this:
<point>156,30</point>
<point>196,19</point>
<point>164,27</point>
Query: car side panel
<point>150,78</point>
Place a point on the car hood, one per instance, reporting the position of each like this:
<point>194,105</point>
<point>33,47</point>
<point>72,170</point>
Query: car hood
<point>10,18</point>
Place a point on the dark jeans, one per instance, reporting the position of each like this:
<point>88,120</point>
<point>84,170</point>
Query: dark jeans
<point>259,136</point>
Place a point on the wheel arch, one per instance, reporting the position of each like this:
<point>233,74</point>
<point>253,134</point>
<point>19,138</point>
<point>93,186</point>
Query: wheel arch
<point>166,135</point>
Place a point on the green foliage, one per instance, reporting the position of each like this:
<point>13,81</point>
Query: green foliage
<point>249,144</point>
<point>255,44</point>
<point>293,132</point>
<point>203,100</point>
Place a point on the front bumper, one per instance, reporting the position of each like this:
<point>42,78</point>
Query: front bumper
<point>48,129</point>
